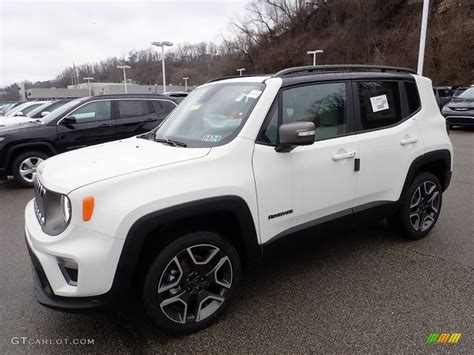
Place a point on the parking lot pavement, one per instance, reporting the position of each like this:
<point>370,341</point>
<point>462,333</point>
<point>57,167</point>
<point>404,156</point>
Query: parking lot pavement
<point>358,290</point>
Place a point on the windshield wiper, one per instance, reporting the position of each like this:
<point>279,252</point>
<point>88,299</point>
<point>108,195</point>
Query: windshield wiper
<point>171,142</point>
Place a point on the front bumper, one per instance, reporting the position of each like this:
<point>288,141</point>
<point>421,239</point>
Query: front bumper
<point>3,174</point>
<point>46,297</point>
<point>459,118</point>
<point>96,255</point>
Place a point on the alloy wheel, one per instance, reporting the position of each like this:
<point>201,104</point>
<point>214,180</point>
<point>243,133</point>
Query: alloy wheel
<point>195,283</point>
<point>424,206</point>
<point>28,167</point>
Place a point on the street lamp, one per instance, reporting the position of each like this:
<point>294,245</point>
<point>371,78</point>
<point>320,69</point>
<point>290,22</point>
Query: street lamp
<point>162,45</point>
<point>124,67</point>
<point>89,84</point>
<point>317,51</point>
<point>186,83</point>
<point>424,25</point>
<point>241,70</point>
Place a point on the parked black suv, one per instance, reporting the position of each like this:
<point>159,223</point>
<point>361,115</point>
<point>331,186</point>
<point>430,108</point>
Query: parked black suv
<point>79,123</point>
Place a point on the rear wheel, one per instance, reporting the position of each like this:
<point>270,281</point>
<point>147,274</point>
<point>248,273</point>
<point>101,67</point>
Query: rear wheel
<point>190,282</point>
<point>420,207</point>
<point>24,167</point>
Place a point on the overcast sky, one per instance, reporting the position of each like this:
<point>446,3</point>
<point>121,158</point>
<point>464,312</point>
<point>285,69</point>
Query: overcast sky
<point>40,38</point>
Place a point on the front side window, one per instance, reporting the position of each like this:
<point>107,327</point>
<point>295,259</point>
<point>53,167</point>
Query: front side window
<point>323,104</point>
<point>93,111</point>
<point>379,104</point>
<point>211,115</point>
<point>133,108</point>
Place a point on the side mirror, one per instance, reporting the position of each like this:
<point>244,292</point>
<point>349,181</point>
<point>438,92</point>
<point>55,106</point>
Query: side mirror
<point>69,120</point>
<point>295,134</point>
<point>44,113</point>
<point>19,113</point>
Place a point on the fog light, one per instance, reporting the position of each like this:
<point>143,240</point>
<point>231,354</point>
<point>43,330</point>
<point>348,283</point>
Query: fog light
<point>69,269</point>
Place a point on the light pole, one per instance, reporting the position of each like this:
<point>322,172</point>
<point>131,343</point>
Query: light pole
<point>186,83</point>
<point>89,84</point>
<point>241,70</point>
<point>124,67</point>
<point>162,45</point>
<point>317,51</point>
<point>424,26</point>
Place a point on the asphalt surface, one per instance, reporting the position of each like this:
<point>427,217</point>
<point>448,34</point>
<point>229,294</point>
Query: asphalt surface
<point>358,290</point>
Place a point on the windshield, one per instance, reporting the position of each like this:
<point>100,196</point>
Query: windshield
<point>467,95</point>
<point>59,111</point>
<point>16,109</point>
<point>211,115</point>
<point>37,109</point>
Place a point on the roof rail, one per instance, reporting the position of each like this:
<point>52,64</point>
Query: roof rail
<point>235,77</point>
<point>311,69</point>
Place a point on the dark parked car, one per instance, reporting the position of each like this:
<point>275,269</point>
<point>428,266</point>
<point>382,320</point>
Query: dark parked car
<point>443,94</point>
<point>460,111</point>
<point>76,124</point>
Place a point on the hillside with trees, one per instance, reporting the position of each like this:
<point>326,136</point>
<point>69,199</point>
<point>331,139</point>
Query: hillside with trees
<point>275,34</point>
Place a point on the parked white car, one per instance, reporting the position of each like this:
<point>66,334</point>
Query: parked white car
<point>238,165</point>
<point>23,109</point>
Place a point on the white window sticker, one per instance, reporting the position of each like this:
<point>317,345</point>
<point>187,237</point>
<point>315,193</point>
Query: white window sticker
<point>379,103</point>
<point>254,94</point>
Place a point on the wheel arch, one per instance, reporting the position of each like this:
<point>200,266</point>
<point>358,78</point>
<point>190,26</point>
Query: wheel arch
<point>437,162</point>
<point>17,149</point>
<point>229,215</point>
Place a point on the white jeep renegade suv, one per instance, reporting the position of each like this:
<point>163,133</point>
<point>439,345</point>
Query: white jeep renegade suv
<point>239,164</point>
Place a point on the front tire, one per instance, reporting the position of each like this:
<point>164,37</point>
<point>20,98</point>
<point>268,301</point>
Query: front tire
<point>191,282</point>
<point>24,167</point>
<point>420,207</point>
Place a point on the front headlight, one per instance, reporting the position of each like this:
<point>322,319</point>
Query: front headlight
<point>2,139</point>
<point>66,208</point>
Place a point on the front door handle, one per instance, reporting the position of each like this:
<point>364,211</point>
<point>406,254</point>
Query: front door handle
<point>342,156</point>
<point>105,125</point>
<point>408,140</point>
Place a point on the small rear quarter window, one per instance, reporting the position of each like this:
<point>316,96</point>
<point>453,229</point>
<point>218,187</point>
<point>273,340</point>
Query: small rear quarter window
<point>412,96</point>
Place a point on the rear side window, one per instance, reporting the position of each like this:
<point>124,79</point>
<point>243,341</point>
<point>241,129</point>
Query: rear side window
<point>413,97</point>
<point>379,104</point>
<point>133,108</point>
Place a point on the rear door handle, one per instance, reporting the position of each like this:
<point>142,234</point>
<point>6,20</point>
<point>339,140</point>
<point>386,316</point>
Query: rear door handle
<point>408,140</point>
<point>342,156</point>
<point>105,125</point>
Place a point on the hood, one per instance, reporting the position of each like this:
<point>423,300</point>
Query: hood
<point>460,104</point>
<point>8,121</point>
<point>69,171</point>
<point>11,127</point>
